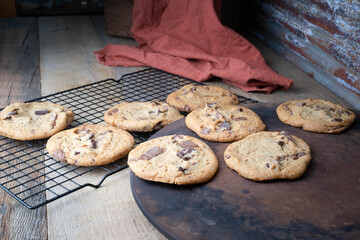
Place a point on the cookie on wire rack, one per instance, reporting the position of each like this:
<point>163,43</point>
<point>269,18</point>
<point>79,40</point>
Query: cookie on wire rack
<point>90,145</point>
<point>268,155</point>
<point>174,159</point>
<point>141,116</point>
<point>191,97</point>
<point>35,120</point>
<point>315,115</point>
<point>226,123</point>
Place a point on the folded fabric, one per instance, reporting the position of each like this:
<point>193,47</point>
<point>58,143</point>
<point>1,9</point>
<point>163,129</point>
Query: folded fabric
<point>186,38</point>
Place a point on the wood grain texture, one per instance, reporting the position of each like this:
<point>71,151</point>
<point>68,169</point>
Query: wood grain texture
<point>19,81</point>
<point>19,60</point>
<point>99,24</point>
<point>320,37</point>
<point>67,59</point>
<point>109,212</point>
<point>7,8</point>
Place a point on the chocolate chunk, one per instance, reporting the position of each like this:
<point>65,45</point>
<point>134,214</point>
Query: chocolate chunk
<point>240,119</point>
<point>281,143</point>
<point>93,143</point>
<point>156,102</point>
<point>267,165</point>
<point>53,123</point>
<point>182,170</point>
<point>103,133</point>
<point>227,156</point>
<point>12,113</point>
<point>205,131</point>
<point>297,155</point>
<point>301,104</point>
<point>287,109</point>
<point>152,112</point>
<point>280,158</point>
<point>188,143</point>
<point>59,154</point>
<point>41,112</point>
<point>155,151</point>
<point>164,110</point>
<point>175,137</point>
<point>319,107</point>
<point>76,153</point>
<point>193,89</point>
<point>209,105</point>
<point>225,126</point>
<point>240,109</point>
<point>287,135</point>
<point>346,112</point>
<point>337,120</point>
<point>185,153</point>
<point>115,110</point>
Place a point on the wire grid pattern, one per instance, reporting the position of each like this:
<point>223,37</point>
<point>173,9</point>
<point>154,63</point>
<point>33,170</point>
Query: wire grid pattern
<point>34,178</point>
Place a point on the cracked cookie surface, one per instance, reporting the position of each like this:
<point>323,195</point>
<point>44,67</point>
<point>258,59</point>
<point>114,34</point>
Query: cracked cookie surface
<point>90,145</point>
<point>315,115</point>
<point>224,123</point>
<point>191,97</point>
<point>36,120</point>
<point>141,116</point>
<point>174,159</point>
<point>268,155</point>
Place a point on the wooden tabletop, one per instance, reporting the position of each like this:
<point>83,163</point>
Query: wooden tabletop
<point>40,56</point>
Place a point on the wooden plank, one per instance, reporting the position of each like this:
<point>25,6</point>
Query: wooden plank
<point>7,8</point>
<point>99,24</point>
<point>19,81</point>
<point>109,212</point>
<point>323,35</point>
<point>67,59</point>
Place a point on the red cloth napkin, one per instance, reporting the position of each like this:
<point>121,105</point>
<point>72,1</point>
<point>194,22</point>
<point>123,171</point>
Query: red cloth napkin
<point>186,38</point>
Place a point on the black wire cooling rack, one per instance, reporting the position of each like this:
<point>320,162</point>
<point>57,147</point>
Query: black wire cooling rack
<point>34,178</point>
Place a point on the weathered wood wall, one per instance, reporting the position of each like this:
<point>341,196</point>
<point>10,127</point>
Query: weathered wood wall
<point>322,37</point>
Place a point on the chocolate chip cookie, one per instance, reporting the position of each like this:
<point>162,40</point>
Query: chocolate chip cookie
<point>191,97</point>
<point>174,159</point>
<point>36,120</point>
<point>141,116</point>
<point>316,115</point>
<point>90,145</point>
<point>224,123</point>
<point>268,155</point>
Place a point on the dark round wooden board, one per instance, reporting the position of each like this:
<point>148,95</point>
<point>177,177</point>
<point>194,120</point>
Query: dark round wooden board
<point>322,204</point>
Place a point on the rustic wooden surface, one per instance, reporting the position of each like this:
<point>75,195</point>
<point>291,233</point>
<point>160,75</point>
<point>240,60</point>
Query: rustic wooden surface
<point>19,81</point>
<point>320,37</point>
<point>66,60</point>
<point>7,8</point>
